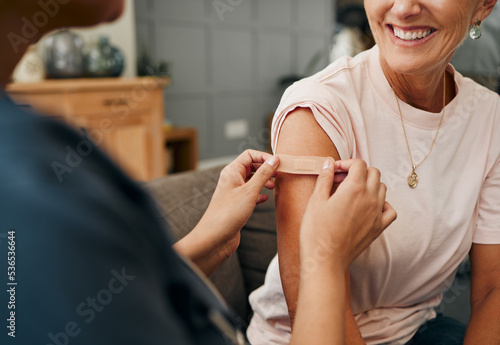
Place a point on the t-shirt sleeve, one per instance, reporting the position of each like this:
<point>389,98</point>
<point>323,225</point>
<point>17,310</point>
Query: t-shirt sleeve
<point>488,221</point>
<point>488,210</point>
<point>328,111</point>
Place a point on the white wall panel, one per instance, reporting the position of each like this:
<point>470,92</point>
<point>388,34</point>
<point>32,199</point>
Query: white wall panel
<point>275,58</point>
<point>232,60</point>
<point>184,47</point>
<point>275,12</point>
<point>315,14</point>
<point>232,108</point>
<point>191,10</point>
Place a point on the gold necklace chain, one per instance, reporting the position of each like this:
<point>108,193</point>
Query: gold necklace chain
<point>413,177</point>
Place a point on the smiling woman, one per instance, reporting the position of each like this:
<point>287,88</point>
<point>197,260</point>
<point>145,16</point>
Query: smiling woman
<point>97,233</point>
<point>435,137</point>
<point>414,67</point>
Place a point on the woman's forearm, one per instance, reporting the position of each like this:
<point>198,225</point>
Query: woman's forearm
<point>320,308</point>
<point>485,295</point>
<point>352,334</point>
<point>484,323</point>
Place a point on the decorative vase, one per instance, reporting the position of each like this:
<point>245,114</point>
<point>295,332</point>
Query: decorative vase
<point>104,60</point>
<point>64,55</point>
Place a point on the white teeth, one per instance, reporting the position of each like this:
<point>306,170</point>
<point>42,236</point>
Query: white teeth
<point>410,35</point>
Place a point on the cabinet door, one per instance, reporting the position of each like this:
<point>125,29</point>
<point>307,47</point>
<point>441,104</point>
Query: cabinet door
<point>127,141</point>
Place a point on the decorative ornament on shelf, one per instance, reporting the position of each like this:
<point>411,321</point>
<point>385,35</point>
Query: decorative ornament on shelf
<point>64,55</point>
<point>30,69</point>
<point>147,67</point>
<point>104,60</point>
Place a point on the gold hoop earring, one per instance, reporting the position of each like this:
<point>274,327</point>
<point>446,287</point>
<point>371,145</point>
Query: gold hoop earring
<point>475,30</point>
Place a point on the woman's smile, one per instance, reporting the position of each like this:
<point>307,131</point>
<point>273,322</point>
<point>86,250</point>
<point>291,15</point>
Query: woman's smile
<point>410,36</point>
<point>419,37</point>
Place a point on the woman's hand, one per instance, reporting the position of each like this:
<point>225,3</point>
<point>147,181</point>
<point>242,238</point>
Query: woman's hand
<point>342,225</point>
<point>217,235</point>
<point>238,192</point>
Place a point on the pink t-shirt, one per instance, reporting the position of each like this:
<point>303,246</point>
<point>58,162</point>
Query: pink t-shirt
<point>400,278</point>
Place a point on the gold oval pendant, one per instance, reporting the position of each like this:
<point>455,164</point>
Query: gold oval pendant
<point>413,180</point>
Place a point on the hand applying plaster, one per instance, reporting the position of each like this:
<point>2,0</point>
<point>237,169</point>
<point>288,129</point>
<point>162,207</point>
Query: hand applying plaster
<point>308,165</point>
<point>217,235</point>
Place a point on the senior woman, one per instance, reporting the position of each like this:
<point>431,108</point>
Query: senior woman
<point>95,263</point>
<point>435,137</point>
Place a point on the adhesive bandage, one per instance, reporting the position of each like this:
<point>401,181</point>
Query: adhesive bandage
<point>302,165</point>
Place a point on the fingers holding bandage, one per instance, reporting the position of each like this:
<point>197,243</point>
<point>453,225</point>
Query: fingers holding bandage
<point>350,219</point>
<point>311,165</point>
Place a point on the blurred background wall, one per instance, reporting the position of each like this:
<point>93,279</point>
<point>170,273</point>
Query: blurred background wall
<point>227,58</point>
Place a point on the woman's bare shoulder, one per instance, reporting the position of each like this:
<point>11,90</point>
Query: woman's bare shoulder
<point>301,135</point>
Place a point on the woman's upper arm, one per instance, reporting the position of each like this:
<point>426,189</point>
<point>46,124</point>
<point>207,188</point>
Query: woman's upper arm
<point>300,135</point>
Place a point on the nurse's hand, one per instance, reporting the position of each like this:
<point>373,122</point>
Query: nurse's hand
<point>342,225</point>
<point>217,235</point>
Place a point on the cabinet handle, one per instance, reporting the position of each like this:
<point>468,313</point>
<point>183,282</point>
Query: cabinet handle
<point>115,101</point>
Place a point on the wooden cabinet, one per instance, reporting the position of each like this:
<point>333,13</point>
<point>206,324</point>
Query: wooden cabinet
<point>124,116</point>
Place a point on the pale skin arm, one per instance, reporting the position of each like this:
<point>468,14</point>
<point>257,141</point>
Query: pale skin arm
<point>484,323</point>
<point>216,237</point>
<point>301,135</point>
<point>335,230</point>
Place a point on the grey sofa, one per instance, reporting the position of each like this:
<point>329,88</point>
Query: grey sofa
<point>183,198</point>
